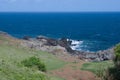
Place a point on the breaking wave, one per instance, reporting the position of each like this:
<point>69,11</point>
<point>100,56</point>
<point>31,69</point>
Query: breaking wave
<point>87,45</point>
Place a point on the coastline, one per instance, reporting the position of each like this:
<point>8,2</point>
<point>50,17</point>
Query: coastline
<point>63,46</point>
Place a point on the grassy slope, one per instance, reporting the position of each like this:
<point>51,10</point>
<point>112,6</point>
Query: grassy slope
<point>97,67</point>
<point>11,57</point>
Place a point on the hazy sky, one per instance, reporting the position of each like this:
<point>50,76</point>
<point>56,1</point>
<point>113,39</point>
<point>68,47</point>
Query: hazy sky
<point>59,5</point>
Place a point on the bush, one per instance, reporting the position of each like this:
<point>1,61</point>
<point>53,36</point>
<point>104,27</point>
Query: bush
<point>114,72</point>
<point>34,62</point>
<point>117,56</point>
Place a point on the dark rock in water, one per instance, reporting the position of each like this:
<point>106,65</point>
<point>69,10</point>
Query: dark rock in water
<point>26,37</point>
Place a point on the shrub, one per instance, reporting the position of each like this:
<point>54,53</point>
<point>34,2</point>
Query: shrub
<point>34,62</point>
<point>114,72</point>
<point>117,56</point>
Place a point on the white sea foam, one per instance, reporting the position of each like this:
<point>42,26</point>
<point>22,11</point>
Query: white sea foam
<point>85,45</point>
<point>75,45</point>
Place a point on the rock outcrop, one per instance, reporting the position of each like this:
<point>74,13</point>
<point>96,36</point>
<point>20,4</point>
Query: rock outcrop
<point>62,45</point>
<point>45,44</point>
<point>97,56</point>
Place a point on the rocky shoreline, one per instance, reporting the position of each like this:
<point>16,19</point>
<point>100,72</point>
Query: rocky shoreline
<point>62,46</point>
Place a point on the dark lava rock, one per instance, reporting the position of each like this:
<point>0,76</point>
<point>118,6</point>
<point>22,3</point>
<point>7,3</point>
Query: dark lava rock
<point>52,42</point>
<point>65,43</point>
<point>26,37</point>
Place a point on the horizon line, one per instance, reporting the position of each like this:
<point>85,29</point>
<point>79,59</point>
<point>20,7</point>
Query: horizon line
<point>59,12</point>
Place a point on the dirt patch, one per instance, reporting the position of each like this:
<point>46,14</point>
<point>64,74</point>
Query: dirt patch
<point>72,71</point>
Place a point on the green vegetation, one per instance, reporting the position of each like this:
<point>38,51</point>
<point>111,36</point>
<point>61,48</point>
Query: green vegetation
<point>97,67</point>
<point>114,72</point>
<point>117,56</point>
<point>12,72</point>
<point>34,62</point>
<point>15,59</point>
<point>108,70</point>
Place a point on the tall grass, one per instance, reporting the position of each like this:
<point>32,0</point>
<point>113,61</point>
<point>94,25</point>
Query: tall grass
<point>98,68</point>
<point>11,57</point>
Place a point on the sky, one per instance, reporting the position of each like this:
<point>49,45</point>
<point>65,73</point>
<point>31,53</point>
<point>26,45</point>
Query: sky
<point>59,5</point>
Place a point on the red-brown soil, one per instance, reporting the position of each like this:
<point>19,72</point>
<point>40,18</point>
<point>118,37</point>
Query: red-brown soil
<point>72,71</point>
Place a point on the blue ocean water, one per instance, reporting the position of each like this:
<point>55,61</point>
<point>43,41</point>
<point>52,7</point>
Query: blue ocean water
<point>95,31</point>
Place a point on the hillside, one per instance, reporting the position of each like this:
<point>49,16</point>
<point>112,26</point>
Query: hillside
<point>11,55</point>
<point>59,67</point>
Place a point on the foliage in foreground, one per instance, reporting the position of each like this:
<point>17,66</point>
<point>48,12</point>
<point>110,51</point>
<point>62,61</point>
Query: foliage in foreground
<point>9,71</point>
<point>34,62</point>
<point>117,56</point>
<point>114,72</point>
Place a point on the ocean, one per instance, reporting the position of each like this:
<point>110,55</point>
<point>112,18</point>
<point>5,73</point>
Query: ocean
<point>89,31</point>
